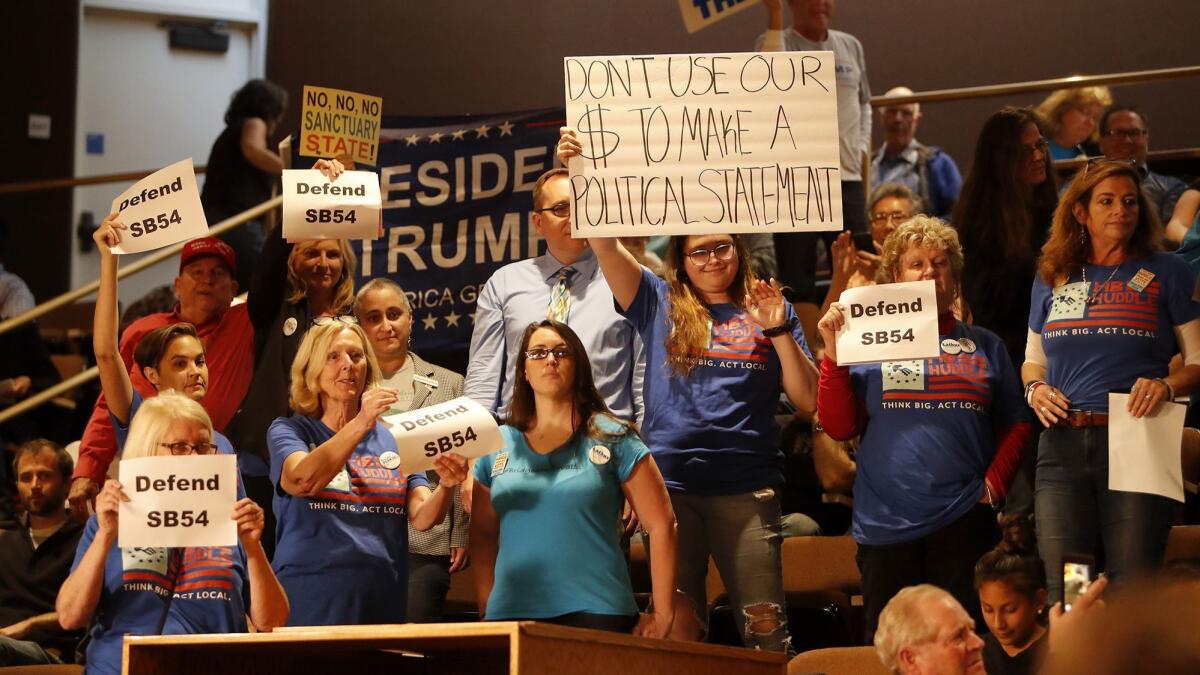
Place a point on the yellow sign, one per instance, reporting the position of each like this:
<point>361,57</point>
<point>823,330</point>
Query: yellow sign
<point>336,122</point>
<point>699,14</point>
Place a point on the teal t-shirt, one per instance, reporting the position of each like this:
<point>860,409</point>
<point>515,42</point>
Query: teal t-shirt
<point>560,517</point>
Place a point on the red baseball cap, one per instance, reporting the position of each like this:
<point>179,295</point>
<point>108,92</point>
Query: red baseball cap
<point>203,246</point>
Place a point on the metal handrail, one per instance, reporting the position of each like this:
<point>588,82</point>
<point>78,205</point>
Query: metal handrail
<point>1073,81</point>
<point>55,183</point>
<point>148,261</point>
<point>46,395</point>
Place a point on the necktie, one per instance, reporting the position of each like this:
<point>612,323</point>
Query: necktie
<point>560,296</point>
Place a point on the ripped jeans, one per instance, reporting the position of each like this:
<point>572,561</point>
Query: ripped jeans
<point>742,534</point>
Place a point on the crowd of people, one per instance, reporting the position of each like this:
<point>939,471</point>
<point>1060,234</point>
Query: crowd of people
<point>638,397</point>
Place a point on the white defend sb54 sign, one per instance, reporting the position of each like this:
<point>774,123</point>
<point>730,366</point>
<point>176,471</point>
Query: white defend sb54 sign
<point>888,322</point>
<point>315,207</point>
<point>178,501</point>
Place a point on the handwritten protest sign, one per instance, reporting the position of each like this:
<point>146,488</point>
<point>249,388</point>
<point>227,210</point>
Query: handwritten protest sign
<point>462,426</point>
<point>335,122</point>
<point>161,209</point>
<point>699,14</point>
<point>704,143</point>
<point>315,207</point>
<point>888,322</point>
<point>178,501</point>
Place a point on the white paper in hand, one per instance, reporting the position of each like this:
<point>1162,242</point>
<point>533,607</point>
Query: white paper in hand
<point>161,209</point>
<point>888,322</point>
<point>1144,455</point>
<point>315,207</point>
<point>461,426</point>
<point>178,501</point>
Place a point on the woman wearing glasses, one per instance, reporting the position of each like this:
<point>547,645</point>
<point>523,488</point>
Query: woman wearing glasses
<point>294,283</point>
<point>1002,217</point>
<point>546,522</point>
<point>166,591</point>
<point>1110,310</point>
<point>342,501</point>
<point>721,346</point>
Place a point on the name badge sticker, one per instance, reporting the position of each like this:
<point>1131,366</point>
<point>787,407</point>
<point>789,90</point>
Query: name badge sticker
<point>427,381</point>
<point>1141,280</point>
<point>499,463</point>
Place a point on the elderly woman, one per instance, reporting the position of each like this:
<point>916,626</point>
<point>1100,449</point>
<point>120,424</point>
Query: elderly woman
<point>294,283</point>
<point>1109,312</point>
<point>342,502</point>
<point>1071,115</point>
<point>566,469</point>
<point>1002,217</point>
<point>941,437</point>
<point>238,579</point>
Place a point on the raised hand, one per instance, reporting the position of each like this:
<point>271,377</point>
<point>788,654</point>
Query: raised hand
<point>250,520</point>
<point>375,402</point>
<point>332,168</point>
<point>765,304</point>
<point>451,468</point>
<point>568,145</point>
<point>829,325</point>
<point>108,505</point>
<point>109,234</point>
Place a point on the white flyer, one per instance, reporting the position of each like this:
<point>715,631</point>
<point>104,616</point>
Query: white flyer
<point>461,426</point>
<point>178,501</point>
<point>889,322</point>
<point>161,209</point>
<point>1145,455</point>
<point>315,207</point>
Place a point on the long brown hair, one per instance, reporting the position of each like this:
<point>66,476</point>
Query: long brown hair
<point>1014,562</point>
<point>689,316</point>
<point>1068,247</point>
<point>587,404</point>
<point>343,292</point>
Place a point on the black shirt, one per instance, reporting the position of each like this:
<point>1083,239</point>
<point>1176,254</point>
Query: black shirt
<point>30,578</point>
<point>998,662</point>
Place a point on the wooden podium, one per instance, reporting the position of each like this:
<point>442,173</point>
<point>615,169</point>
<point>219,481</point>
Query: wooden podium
<point>524,647</point>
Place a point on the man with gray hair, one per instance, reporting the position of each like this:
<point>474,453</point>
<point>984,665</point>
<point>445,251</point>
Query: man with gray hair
<point>924,169</point>
<point>924,631</point>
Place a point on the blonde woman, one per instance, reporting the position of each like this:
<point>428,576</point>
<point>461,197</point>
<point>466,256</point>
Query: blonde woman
<point>721,346</point>
<point>1071,116</point>
<point>342,501</point>
<point>161,591</point>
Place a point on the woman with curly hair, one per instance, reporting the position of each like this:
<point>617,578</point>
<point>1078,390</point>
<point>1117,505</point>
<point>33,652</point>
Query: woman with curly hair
<point>1071,116</point>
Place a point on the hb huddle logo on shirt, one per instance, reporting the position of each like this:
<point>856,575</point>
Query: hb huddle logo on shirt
<point>952,381</point>
<point>733,343</point>
<point>1114,309</point>
<point>204,573</point>
<point>364,485</point>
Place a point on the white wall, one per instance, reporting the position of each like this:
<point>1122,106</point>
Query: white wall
<point>154,105</point>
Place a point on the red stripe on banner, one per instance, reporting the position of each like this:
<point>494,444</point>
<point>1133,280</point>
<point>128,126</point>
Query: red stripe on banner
<point>1098,324</point>
<point>901,396</point>
<point>205,586</point>
<point>547,123</point>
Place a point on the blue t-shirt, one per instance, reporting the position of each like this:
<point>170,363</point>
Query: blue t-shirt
<point>342,554</point>
<point>712,432</point>
<point>560,521</point>
<point>930,435</point>
<point>1102,335</point>
<point>211,595</point>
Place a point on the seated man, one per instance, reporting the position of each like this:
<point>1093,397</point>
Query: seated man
<point>36,558</point>
<point>1125,135</point>
<point>924,169</point>
<point>923,629</point>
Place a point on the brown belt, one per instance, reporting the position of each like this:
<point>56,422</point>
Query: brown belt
<point>1079,419</point>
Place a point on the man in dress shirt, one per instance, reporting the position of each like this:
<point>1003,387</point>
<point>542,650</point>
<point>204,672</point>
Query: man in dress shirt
<point>1125,135</point>
<point>566,284</point>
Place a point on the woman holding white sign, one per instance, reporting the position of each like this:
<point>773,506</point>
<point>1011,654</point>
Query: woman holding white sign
<point>1109,311</point>
<point>342,502</point>
<point>567,468</point>
<point>721,346</point>
<point>941,438</point>
<point>167,591</point>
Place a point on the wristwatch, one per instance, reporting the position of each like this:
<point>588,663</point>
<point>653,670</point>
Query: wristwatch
<point>785,327</point>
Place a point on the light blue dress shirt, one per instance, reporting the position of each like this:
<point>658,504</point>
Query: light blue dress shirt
<point>517,295</point>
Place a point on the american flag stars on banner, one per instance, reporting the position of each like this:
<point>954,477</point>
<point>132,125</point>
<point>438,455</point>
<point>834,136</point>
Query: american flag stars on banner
<point>451,319</point>
<point>482,131</point>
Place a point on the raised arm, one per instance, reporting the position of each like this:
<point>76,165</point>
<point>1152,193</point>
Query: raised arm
<point>305,473</point>
<point>114,378</point>
<point>767,308</point>
<point>254,147</point>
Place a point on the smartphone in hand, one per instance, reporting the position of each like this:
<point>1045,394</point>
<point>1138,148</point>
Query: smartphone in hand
<point>1079,571</point>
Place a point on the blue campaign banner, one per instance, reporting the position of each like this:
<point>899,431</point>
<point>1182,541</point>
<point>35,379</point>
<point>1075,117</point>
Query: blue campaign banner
<point>457,194</point>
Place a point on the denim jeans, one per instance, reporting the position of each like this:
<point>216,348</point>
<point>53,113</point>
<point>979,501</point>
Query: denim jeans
<point>24,653</point>
<point>1077,513</point>
<point>742,534</point>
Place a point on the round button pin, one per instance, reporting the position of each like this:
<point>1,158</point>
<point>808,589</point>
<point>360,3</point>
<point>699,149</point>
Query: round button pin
<point>290,325</point>
<point>599,454</point>
<point>968,345</point>
<point>951,346</point>
<point>389,460</point>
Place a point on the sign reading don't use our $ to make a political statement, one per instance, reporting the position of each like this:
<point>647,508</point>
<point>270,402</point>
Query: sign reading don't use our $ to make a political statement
<point>704,143</point>
<point>161,209</point>
<point>315,207</point>
<point>461,426</point>
<point>888,322</point>
<point>178,501</point>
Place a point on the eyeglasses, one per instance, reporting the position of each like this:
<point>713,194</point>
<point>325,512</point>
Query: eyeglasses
<point>347,319</point>
<point>882,218</point>
<point>540,353</point>
<point>702,256</point>
<point>561,209</point>
<point>1040,144</point>
<point>1127,134</point>
<point>1100,161</point>
<point>184,448</point>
